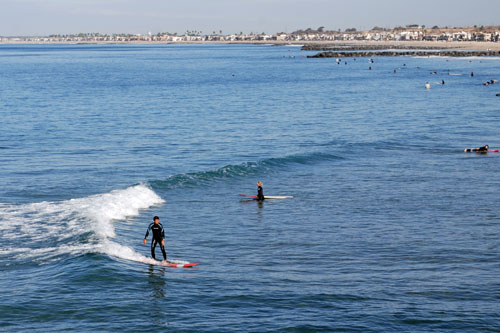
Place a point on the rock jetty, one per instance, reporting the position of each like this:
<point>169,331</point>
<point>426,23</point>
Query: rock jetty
<point>441,53</point>
<point>352,47</point>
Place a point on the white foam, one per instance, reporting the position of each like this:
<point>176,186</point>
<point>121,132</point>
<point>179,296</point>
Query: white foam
<point>124,252</point>
<point>47,229</point>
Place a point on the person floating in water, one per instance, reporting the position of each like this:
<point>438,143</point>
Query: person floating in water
<point>482,149</point>
<point>158,237</point>
<point>260,191</point>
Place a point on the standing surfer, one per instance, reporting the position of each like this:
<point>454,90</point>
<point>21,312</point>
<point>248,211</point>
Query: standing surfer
<point>158,237</point>
<point>260,191</point>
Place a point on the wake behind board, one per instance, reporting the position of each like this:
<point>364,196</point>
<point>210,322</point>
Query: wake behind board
<point>176,263</point>
<point>268,196</point>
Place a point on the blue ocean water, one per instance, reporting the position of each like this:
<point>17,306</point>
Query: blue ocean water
<point>391,228</point>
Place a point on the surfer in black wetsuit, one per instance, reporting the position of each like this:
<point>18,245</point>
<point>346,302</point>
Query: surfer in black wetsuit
<point>260,191</point>
<point>482,149</point>
<point>158,237</point>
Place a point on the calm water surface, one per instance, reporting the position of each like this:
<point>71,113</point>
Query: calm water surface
<point>391,228</point>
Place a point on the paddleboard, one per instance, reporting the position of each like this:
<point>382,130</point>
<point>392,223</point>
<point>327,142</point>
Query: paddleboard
<point>268,196</point>
<point>177,263</point>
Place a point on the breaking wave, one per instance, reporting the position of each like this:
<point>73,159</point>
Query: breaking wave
<point>48,230</point>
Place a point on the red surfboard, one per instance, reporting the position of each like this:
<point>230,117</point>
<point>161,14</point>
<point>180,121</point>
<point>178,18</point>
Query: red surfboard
<point>190,265</point>
<point>173,263</point>
<point>178,265</point>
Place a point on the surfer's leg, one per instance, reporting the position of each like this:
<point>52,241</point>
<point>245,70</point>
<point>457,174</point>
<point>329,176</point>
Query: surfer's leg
<point>163,251</point>
<point>153,246</point>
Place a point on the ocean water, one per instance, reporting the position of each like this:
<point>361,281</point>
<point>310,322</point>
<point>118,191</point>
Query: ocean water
<point>392,227</point>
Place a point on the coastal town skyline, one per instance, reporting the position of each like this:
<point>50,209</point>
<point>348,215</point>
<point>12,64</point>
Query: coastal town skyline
<point>412,32</point>
<point>44,18</point>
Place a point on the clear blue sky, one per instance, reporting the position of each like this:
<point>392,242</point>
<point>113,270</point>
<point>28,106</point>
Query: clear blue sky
<point>43,17</point>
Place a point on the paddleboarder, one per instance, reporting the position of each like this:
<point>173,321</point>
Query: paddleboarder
<point>260,191</point>
<point>158,237</point>
<point>479,150</point>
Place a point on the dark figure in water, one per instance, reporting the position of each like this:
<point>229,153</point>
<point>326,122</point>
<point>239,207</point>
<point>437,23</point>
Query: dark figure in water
<point>260,191</point>
<point>472,74</point>
<point>482,149</point>
<point>442,82</point>
<point>158,237</point>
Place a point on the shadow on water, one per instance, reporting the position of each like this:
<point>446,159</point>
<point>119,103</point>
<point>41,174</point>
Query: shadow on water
<point>157,283</point>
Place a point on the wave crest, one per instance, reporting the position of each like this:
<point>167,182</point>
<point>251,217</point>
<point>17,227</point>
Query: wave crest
<point>240,170</point>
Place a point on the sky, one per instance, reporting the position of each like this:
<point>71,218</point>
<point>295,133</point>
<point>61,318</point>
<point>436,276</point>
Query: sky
<point>45,17</point>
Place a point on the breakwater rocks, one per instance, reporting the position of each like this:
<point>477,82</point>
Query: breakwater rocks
<point>352,47</point>
<point>441,53</point>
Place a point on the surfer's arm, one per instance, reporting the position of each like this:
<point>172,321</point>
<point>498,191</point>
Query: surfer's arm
<point>147,234</point>
<point>162,236</point>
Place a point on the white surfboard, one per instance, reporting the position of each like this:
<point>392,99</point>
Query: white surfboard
<point>268,196</point>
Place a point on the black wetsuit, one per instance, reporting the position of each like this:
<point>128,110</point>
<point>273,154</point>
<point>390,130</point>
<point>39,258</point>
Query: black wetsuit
<point>482,149</point>
<point>158,236</point>
<point>260,193</point>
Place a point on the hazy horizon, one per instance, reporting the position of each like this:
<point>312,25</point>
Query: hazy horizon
<point>45,17</point>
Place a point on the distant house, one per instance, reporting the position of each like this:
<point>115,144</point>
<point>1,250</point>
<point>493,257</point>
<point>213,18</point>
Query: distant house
<point>431,37</point>
<point>281,37</point>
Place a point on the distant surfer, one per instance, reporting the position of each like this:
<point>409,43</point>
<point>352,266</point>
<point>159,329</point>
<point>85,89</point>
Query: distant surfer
<point>482,149</point>
<point>260,191</point>
<point>158,237</point>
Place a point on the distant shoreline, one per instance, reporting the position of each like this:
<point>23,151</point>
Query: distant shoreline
<point>468,46</point>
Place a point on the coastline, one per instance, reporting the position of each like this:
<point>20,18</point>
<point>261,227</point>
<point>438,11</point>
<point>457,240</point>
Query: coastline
<point>465,46</point>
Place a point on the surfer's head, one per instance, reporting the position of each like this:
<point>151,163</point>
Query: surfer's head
<point>259,183</point>
<point>487,147</point>
<point>156,219</point>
